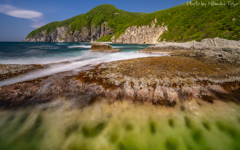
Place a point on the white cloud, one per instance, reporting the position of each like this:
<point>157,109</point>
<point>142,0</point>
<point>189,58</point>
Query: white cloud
<point>20,13</point>
<point>27,14</point>
<point>37,25</point>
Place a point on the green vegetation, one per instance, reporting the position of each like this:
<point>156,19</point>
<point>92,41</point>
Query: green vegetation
<point>52,26</point>
<point>188,22</point>
<point>117,19</point>
<point>106,38</point>
<point>185,22</point>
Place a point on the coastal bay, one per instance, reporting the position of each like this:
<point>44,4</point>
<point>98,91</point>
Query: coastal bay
<point>109,79</point>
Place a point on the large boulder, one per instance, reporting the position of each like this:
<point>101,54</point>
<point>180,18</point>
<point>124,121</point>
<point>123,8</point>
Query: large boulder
<point>100,47</point>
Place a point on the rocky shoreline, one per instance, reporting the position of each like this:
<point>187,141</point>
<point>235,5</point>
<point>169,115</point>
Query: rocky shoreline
<point>217,48</point>
<point>167,83</point>
<point>8,71</point>
<point>208,74</point>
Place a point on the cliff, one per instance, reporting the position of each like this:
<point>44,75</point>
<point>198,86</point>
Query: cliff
<point>133,34</point>
<point>142,34</point>
<point>61,34</point>
<point>101,21</point>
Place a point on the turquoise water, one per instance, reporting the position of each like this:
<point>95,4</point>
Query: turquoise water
<point>42,53</point>
<point>77,56</point>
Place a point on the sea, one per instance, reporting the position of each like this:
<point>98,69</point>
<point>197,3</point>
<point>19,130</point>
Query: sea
<point>44,53</point>
<point>77,56</point>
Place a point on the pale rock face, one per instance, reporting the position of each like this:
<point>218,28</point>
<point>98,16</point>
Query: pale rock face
<point>39,38</point>
<point>60,34</point>
<point>205,44</point>
<point>216,48</point>
<point>100,31</point>
<point>141,35</point>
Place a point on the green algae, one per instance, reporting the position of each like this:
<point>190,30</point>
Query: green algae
<point>122,125</point>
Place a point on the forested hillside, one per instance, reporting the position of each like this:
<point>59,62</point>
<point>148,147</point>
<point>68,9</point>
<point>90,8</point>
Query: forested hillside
<point>194,20</point>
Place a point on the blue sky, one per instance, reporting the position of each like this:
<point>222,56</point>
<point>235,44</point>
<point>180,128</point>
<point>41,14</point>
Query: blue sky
<point>20,17</point>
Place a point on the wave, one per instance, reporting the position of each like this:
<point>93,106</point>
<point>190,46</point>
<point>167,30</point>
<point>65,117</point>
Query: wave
<point>80,46</point>
<point>87,58</point>
<point>61,43</point>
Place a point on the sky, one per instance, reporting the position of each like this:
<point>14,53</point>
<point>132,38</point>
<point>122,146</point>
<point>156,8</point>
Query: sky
<point>19,17</point>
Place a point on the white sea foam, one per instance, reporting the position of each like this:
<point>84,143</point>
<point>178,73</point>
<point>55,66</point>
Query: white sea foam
<point>80,46</point>
<point>43,60</point>
<point>86,59</point>
<point>61,43</point>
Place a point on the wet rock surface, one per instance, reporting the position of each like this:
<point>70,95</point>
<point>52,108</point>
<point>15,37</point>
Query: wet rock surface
<point>165,80</point>
<point>13,70</point>
<point>101,47</point>
<point>158,80</point>
<point>43,90</point>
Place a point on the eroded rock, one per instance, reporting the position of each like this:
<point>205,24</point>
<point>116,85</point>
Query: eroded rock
<point>61,34</point>
<point>161,81</point>
<point>101,47</point>
<point>220,49</point>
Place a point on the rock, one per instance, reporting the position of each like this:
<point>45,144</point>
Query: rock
<point>205,44</point>
<point>133,35</point>
<point>141,35</point>
<point>13,70</point>
<point>100,47</point>
<point>61,34</point>
<point>217,48</point>
<point>161,81</point>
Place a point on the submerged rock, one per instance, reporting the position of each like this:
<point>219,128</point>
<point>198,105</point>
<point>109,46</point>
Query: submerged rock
<point>100,47</point>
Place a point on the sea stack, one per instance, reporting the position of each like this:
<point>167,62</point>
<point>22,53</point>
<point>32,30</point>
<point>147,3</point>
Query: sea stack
<point>100,47</point>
